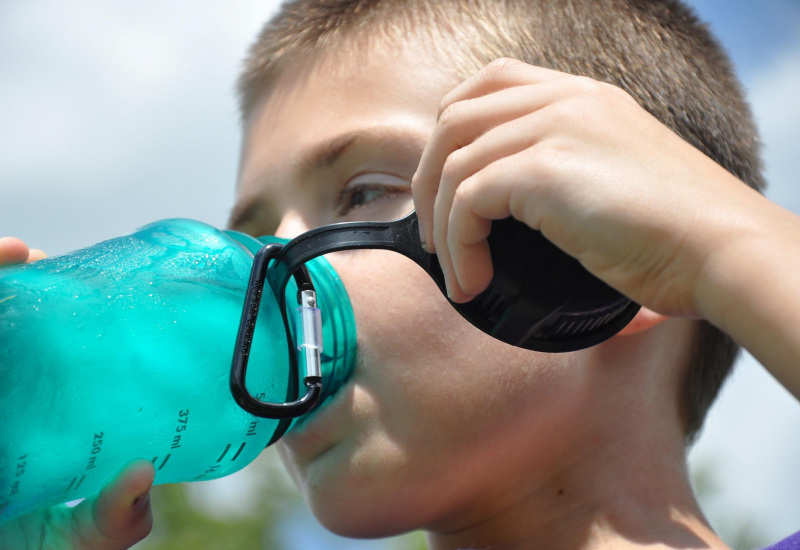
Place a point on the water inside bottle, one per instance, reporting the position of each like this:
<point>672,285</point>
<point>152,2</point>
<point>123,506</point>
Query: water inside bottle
<point>113,353</point>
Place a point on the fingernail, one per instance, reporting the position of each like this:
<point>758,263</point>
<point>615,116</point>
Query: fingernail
<point>449,291</point>
<point>141,502</point>
<point>423,238</point>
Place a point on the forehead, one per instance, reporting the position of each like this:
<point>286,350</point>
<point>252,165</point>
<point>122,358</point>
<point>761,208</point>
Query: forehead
<point>343,92</point>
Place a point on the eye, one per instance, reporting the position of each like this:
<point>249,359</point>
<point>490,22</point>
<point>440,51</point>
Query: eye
<point>373,195</point>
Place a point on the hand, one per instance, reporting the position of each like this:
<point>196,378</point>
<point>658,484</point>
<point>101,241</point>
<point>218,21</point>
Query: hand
<point>14,251</point>
<point>583,163</point>
<point>119,517</point>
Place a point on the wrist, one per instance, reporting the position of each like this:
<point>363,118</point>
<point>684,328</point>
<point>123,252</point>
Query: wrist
<point>747,285</point>
<point>741,256</point>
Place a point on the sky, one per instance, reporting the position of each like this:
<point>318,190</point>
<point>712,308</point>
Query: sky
<point>113,115</point>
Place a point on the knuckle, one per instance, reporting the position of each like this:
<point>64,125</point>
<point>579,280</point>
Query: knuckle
<point>561,113</point>
<point>596,89</point>
<point>453,167</point>
<point>618,93</point>
<point>500,67</point>
<point>418,187</point>
<point>586,85</point>
<point>543,165</point>
<point>474,184</point>
<point>449,116</point>
<point>448,99</point>
<point>474,189</point>
<point>464,192</point>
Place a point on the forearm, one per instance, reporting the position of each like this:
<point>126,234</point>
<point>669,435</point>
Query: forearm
<point>748,288</point>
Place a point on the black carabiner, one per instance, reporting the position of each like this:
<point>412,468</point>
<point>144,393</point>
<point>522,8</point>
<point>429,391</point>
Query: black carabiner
<point>244,340</point>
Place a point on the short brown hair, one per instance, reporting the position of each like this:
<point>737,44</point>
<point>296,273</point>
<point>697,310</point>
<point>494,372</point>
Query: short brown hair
<point>656,50</point>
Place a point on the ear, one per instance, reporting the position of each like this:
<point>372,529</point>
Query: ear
<point>644,320</point>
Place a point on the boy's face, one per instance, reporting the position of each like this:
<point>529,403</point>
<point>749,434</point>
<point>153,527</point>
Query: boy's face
<point>438,417</point>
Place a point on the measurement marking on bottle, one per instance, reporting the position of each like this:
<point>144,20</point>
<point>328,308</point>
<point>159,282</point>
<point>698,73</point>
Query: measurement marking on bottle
<point>251,428</point>
<point>73,486</point>
<point>155,458</point>
<point>211,470</point>
<point>227,448</point>
<point>238,452</point>
<point>183,422</point>
<point>20,471</point>
<point>97,446</point>
<point>21,465</point>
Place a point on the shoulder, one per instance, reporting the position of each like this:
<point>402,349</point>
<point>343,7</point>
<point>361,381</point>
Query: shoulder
<point>791,543</point>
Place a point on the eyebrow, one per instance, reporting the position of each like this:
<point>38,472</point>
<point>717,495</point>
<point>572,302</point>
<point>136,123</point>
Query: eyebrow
<point>323,155</point>
<point>326,154</point>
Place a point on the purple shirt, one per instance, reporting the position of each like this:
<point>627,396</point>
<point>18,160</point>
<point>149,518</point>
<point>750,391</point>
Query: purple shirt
<point>792,543</point>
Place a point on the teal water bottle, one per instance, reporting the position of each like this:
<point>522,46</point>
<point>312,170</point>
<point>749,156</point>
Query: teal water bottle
<point>123,350</point>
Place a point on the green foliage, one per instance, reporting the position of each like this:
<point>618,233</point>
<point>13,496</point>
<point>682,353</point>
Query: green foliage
<point>740,533</point>
<point>180,525</point>
<point>196,516</point>
<point>414,541</point>
<point>186,516</point>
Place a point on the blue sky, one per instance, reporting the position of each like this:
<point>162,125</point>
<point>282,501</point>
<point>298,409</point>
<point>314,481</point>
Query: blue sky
<point>751,31</point>
<point>118,115</point>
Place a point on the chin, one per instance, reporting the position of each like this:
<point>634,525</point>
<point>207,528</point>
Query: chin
<point>354,500</point>
<point>363,520</point>
<point>331,492</point>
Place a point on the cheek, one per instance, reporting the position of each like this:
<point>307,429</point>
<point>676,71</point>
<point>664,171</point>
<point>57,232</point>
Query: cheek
<point>425,364</point>
<point>402,318</point>
<point>434,401</point>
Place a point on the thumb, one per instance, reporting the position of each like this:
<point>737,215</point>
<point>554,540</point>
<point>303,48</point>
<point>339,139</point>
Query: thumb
<point>120,516</point>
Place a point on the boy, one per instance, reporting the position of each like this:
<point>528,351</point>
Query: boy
<point>441,427</point>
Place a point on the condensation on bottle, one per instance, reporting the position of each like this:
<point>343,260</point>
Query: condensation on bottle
<point>123,350</point>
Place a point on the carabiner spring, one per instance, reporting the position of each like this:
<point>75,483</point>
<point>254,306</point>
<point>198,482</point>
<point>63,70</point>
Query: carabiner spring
<point>244,340</point>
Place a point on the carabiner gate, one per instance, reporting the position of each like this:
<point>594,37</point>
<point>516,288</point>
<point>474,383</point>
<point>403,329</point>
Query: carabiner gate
<point>306,296</point>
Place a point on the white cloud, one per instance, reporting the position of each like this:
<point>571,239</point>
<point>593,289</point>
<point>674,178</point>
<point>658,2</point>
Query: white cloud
<point>92,90</point>
<point>776,103</point>
<point>117,115</point>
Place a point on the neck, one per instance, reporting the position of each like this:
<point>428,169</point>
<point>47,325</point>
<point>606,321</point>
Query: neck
<point>619,480</point>
<point>595,503</point>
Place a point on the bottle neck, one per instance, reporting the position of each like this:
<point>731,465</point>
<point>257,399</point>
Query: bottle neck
<point>338,321</point>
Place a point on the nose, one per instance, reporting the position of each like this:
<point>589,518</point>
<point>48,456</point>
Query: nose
<point>291,225</point>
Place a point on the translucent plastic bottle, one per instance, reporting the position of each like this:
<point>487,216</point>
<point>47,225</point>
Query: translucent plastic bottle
<point>123,350</point>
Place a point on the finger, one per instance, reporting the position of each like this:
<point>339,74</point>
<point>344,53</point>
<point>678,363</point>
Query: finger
<point>120,516</point>
<point>502,141</point>
<point>34,254</point>
<point>461,124</point>
<point>495,192</point>
<point>464,280</point>
<point>474,207</point>
<point>470,255</point>
<point>12,251</point>
<point>467,239</point>
<point>497,75</point>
